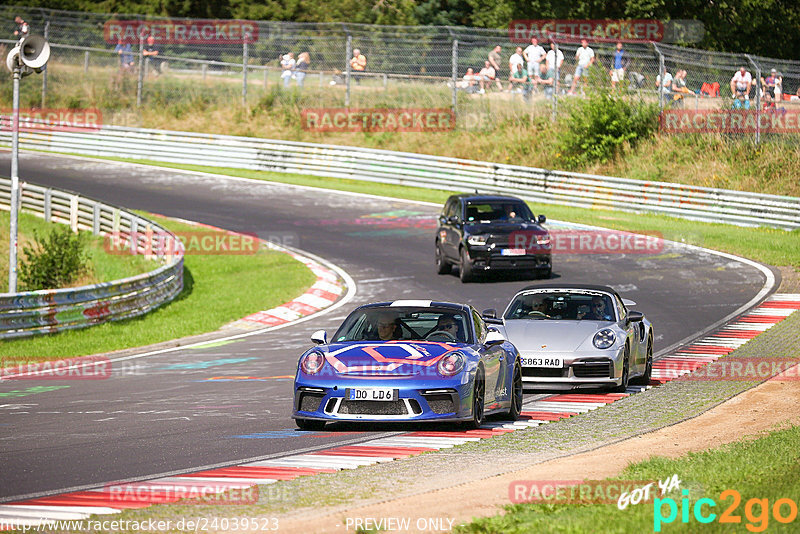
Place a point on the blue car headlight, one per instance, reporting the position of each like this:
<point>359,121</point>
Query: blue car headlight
<point>604,338</point>
<point>312,362</point>
<point>451,364</point>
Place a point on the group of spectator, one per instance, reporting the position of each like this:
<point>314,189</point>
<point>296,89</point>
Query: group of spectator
<point>150,50</point>
<point>534,68</point>
<point>296,70</point>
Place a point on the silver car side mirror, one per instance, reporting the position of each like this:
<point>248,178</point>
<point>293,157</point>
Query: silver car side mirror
<point>320,337</point>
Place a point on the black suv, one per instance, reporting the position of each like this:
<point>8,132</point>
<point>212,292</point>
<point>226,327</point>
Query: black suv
<point>484,233</point>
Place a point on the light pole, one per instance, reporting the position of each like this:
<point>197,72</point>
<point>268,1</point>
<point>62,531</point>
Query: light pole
<point>30,55</point>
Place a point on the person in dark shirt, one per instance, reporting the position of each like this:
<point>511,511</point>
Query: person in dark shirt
<point>152,51</point>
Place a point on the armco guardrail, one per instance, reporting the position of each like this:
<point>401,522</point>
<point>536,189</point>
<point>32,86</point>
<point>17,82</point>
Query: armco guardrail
<point>39,312</point>
<point>572,189</point>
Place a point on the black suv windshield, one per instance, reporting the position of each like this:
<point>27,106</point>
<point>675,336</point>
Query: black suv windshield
<point>480,211</point>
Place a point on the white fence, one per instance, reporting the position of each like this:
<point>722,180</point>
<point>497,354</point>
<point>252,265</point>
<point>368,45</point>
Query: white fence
<point>39,312</point>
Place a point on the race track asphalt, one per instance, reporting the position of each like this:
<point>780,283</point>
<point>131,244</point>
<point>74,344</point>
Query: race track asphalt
<point>170,412</point>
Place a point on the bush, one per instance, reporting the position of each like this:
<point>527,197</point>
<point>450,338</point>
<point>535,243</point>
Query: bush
<point>598,128</point>
<point>53,262</point>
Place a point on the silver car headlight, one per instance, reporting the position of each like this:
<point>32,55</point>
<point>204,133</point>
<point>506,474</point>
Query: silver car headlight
<point>476,240</point>
<point>604,338</point>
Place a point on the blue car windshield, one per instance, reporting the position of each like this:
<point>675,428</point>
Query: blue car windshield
<point>543,306</point>
<point>387,323</point>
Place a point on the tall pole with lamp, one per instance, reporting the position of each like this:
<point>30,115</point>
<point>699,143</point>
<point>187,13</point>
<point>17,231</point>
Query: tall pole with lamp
<point>28,56</point>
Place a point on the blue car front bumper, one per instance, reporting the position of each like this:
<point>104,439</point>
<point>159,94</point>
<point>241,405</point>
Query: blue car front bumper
<point>414,399</point>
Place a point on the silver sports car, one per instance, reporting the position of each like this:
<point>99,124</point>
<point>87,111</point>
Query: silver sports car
<point>574,336</point>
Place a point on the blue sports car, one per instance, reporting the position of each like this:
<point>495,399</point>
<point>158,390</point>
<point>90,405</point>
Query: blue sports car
<point>408,360</point>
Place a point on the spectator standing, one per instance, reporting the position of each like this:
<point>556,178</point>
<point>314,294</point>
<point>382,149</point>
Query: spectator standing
<point>22,27</point>
<point>516,60</point>
<point>741,83</point>
<point>495,60</point>
<point>301,68</point>
<point>619,65</point>
<point>534,55</point>
<point>125,53</point>
<point>779,87</point>
<point>552,60</point>
<point>358,65</point>
<point>152,51</point>
<point>287,65</point>
<point>585,57</point>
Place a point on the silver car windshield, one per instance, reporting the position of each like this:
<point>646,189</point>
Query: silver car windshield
<point>561,306</point>
<point>408,324</point>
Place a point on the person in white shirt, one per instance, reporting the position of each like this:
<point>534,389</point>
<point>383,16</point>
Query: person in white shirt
<point>551,60</point>
<point>487,76</point>
<point>534,55</point>
<point>741,83</point>
<point>585,57</point>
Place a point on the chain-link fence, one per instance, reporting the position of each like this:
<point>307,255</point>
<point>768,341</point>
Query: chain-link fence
<point>100,61</point>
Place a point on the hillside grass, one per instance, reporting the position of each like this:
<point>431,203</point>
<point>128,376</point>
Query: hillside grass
<point>497,127</point>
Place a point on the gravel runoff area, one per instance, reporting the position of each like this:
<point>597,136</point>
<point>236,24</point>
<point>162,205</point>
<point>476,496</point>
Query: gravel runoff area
<point>323,502</point>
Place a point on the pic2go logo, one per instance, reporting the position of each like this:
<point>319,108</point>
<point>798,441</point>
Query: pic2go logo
<point>757,511</point>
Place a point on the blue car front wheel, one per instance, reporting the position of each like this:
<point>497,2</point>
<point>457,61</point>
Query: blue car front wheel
<point>478,390</point>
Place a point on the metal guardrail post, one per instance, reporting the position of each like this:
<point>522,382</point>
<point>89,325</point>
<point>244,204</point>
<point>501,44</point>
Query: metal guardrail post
<point>96,219</point>
<point>244,73</point>
<point>454,61</point>
<point>48,204</point>
<point>86,62</point>
<point>757,69</point>
<point>204,70</point>
<point>349,54</point>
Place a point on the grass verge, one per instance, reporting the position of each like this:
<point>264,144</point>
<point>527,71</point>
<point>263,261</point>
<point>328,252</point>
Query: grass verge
<point>217,290</point>
<point>739,466</point>
<point>767,245</point>
<point>102,267</point>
